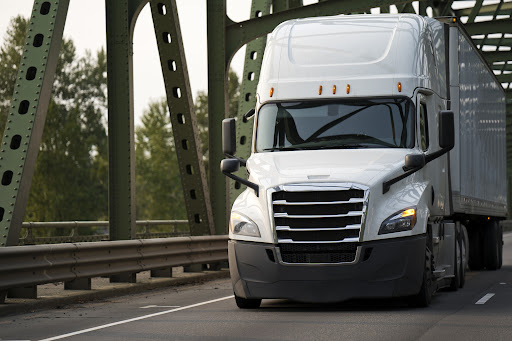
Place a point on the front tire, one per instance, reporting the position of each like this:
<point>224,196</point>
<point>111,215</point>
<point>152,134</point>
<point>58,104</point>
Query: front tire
<point>424,296</point>
<point>247,303</point>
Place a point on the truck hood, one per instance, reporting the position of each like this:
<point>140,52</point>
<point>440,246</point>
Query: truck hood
<point>362,166</point>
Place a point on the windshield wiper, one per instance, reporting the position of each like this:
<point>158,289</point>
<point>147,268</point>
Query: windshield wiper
<point>344,146</point>
<point>273,149</point>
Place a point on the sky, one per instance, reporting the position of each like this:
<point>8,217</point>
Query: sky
<point>85,24</point>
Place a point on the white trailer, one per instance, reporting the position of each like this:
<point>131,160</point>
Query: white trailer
<point>378,161</point>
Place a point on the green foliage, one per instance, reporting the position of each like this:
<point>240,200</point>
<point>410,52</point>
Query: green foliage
<point>201,108</point>
<point>10,56</point>
<point>158,181</point>
<point>71,174</point>
<point>159,189</point>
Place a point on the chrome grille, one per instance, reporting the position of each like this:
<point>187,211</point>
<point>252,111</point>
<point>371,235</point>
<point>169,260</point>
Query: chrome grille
<point>319,223</point>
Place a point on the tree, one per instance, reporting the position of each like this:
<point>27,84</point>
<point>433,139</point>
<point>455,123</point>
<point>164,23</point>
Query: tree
<point>201,108</point>
<point>71,174</point>
<point>10,56</point>
<point>159,189</point>
<point>158,181</point>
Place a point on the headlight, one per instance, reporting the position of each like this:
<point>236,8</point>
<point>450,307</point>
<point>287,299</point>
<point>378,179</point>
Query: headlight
<point>242,225</point>
<point>400,221</point>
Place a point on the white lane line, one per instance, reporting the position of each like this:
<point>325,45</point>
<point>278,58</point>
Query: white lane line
<point>160,306</point>
<point>484,299</point>
<point>134,319</point>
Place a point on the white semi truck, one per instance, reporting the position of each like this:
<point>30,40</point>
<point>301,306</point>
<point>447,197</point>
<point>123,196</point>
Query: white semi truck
<point>377,166</point>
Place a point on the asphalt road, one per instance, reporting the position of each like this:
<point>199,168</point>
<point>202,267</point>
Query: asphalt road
<point>480,311</point>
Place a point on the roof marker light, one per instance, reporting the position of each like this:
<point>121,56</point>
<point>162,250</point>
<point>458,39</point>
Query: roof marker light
<point>334,89</point>
<point>399,87</point>
<point>271,92</point>
<point>454,20</point>
<point>320,90</point>
<point>348,89</point>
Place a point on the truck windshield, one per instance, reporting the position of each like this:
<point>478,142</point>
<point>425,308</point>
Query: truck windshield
<point>358,123</point>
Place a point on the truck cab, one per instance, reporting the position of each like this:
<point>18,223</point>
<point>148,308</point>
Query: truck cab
<point>349,184</point>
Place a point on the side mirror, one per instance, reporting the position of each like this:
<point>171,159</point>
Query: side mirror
<point>229,136</point>
<point>446,130</point>
<point>229,166</point>
<point>414,161</point>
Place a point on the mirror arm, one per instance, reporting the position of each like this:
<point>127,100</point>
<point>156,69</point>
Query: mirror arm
<point>249,184</point>
<point>386,185</point>
<point>429,157</point>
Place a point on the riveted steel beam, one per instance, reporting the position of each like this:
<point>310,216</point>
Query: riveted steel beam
<point>505,78</point>
<point>505,9</point>
<point>251,75</point>
<point>238,34</point>
<point>497,56</point>
<point>494,41</point>
<point>120,18</point>
<point>489,27</point>
<point>217,107</point>
<point>183,118</point>
<point>25,122</point>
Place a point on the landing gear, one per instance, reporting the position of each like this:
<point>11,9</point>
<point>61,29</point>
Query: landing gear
<point>247,303</point>
<point>493,246</point>
<point>486,246</point>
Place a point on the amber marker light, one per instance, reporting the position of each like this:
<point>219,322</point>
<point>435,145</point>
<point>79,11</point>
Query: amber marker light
<point>320,90</point>
<point>409,212</point>
<point>334,89</point>
<point>454,20</point>
<point>399,87</point>
<point>348,89</point>
<point>271,92</point>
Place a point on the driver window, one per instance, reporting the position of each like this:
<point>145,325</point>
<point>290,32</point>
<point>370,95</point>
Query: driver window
<point>423,127</point>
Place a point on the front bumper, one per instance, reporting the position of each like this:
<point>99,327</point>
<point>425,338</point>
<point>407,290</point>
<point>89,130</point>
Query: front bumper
<point>393,268</point>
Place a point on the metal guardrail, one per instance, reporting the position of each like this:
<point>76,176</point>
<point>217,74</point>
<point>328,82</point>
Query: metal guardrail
<point>74,236</point>
<point>22,266</point>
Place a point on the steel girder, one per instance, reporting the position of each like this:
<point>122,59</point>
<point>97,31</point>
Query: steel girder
<point>183,118</point>
<point>25,122</point>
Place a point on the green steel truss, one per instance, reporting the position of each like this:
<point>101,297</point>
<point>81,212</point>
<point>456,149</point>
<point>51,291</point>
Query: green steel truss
<point>25,122</point>
<point>489,24</point>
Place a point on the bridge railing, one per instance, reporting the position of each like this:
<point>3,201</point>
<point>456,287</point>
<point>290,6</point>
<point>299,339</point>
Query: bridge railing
<point>95,231</point>
<point>29,266</point>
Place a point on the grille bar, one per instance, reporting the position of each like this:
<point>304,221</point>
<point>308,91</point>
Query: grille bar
<point>318,223</point>
<point>284,202</point>
<point>286,215</point>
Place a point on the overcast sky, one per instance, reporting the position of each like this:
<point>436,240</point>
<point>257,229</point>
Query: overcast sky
<point>85,24</point>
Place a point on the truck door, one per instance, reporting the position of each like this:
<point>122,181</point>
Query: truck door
<point>436,171</point>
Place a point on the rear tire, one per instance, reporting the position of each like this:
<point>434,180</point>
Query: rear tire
<point>457,260</point>
<point>247,303</point>
<point>464,254</point>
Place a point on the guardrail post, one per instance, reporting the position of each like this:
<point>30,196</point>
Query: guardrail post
<point>23,292</point>
<point>163,273</point>
<point>78,284</point>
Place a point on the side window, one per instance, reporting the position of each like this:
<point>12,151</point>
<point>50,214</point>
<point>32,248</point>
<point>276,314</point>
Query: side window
<point>423,127</point>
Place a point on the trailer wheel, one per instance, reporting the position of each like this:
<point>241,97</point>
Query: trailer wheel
<point>247,303</point>
<point>492,240</point>
<point>475,250</point>
<point>424,296</point>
